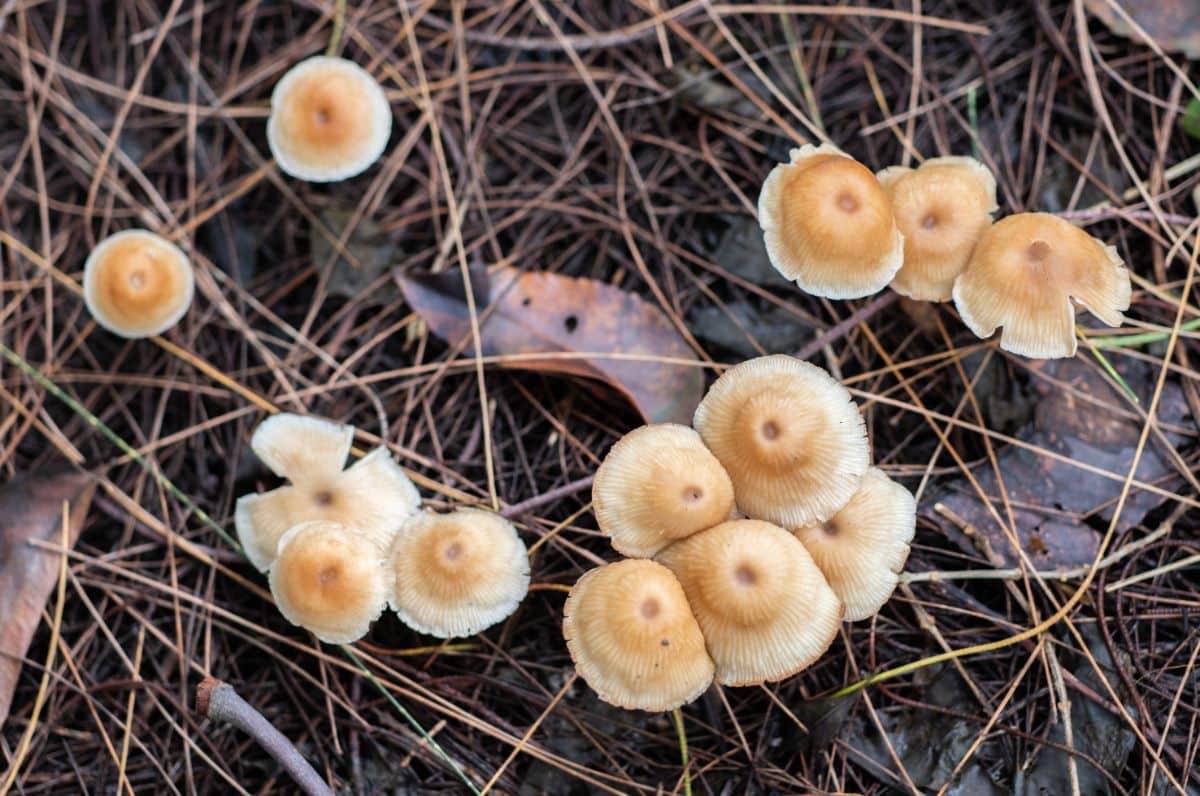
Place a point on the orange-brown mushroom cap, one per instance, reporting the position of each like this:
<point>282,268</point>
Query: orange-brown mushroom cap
<point>789,436</point>
<point>862,549</point>
<point>137,284</point>
<point>633,638</point>
<point>329,120</point>
<point>828,225</point>
<point>1023,275</point>
<point>330,580</point>
<point>658,484</point>
<point>764,608</point>
<point>941,208</point>
<point>458,573</point>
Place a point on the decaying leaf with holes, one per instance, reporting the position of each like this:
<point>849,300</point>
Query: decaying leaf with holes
<point>522,315</point>
<point>1173,24</point>
<point>31,510</point>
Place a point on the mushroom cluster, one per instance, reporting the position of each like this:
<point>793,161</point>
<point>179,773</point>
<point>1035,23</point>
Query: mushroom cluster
<point>841,232</point>
<point>341,543</point>
<point>749,537</point>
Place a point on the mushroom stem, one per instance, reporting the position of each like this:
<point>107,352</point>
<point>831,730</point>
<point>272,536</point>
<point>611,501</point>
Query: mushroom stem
<point>217,700</point>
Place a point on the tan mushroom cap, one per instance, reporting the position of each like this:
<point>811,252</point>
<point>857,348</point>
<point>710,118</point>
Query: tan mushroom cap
<point>633,638</point>
<point>942,209</point>
<point>330,580</point>
<point>1023,275</point>
<point>458,573</point>
<point>137,284</point>
<point>862,549</point>
<point>374,496</point>
<point>329,120</point>
<point>828,224</point>
<point>789,436</point>
<point>764,608</point>
<point>658,484</point>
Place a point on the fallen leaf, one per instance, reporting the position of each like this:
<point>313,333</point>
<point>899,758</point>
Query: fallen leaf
<point>1173,24</point>
<point>775,330</point>
<point>1189,122</point>
<point>1047,494</point>
<point>743,252</point>
<point>543,313</point>
<point>31,509</point>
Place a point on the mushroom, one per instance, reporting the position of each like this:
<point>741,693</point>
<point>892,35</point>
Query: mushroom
<point>789,436</point>
<point>633,638</point>
<point>329,120</point>
<point>658,484</point>
<point>373,495</point>
<point>828,224</point>
<point>137,284</point>
<point>763,606</point>
<point>458,573</point>
<point>941,208</point>
<point>862,549</point>
<point>329,579</point>
<point>1023,275</point>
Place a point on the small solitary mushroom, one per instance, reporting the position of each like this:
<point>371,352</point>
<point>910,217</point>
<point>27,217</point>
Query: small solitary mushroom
<point>633,638</point>
<point>331,580</point>
<point>789,436</point>
<point>137,284</point>
<point>764,608</point>
<point>862,549</point>
<point>329,120</point>
<point>828,224</point>
<point>658,484</point>
<point>374,495</point>
<point>942,208</point>
<point>458,573</point>
<point>1023,275</point>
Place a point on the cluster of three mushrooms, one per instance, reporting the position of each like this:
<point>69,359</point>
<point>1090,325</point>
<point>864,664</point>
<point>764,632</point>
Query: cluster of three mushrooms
<point>750,538</point>
<point>340,544</point>
<point>840,231</point>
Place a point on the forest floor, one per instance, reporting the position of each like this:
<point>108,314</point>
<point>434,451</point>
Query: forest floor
<point>623,142</point>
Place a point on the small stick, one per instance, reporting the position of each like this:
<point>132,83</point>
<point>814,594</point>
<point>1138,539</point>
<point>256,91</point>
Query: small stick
<point>537,501</point>
<point>217,700</point>
<point>840,330</point>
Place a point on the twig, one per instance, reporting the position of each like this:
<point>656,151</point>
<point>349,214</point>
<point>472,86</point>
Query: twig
<point>217,700</point>
<point>339,25</point>
<point>537,501</point>
<point>840,329</point>
<point>683,751</point>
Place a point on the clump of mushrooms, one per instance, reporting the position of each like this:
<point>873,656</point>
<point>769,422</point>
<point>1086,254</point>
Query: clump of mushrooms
<point>751,537</point>
<point>840,232</point>
<point>341,544</point>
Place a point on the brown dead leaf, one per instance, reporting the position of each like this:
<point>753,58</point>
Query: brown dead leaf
<point>543,313</point>
<point>1047,494</point>
<point>31,509</point>
<point>1173,24</point>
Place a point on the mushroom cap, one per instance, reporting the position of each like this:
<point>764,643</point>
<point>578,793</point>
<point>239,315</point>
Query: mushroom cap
<point>137,284</point>
<point>764,608</point>
<point>941,208</point>
<point>789,436</point>
<point>633,638</point>
<point>862,549</point>
<point>302,447</point>
<point>828,224</point>
<point>374,496</point>
<point>329,120</point>
<point>1023,275</point>
<point>331,580</point>
<point>458,573</point>
<point>658,484</point>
